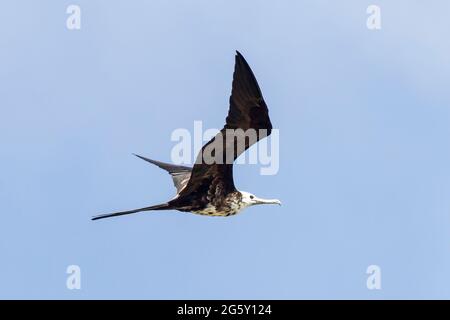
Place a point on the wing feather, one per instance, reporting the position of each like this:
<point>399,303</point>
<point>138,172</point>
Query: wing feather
<point>248,110</point>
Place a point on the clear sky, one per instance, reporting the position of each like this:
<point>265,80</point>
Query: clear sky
<point>364,119</point>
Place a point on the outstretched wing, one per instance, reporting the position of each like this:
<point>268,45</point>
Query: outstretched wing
<point>180,174</point>
<point>247,107</point>
<point>212,173</point>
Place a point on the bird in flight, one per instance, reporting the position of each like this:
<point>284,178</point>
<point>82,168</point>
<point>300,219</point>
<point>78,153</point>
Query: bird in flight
<point>208,187</point>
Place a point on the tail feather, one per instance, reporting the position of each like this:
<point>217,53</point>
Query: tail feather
<point>180,174</point>
<point>164,206</point>
<point>171,168</point>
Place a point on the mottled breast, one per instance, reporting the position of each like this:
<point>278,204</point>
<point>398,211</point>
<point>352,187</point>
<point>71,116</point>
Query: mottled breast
<point>223,206</point>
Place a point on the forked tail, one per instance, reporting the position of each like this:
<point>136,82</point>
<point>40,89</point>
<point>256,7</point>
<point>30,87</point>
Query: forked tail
<point>163,206</point>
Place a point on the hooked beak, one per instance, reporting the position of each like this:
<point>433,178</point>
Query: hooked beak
<point>267,201</point>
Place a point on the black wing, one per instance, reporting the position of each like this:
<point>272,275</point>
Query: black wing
<point>214,177</point>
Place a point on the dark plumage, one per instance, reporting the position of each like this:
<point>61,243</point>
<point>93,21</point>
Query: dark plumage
<point>208,188</point>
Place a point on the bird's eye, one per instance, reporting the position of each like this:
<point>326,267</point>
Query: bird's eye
<point>251,197</point>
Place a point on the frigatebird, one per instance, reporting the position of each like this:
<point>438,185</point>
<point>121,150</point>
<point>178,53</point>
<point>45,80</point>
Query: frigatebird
<point>208,188</point>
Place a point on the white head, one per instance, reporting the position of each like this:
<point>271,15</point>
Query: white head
<point>250,199</point>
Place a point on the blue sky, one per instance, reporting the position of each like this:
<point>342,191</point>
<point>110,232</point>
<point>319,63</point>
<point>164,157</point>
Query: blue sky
<point>364,122</point>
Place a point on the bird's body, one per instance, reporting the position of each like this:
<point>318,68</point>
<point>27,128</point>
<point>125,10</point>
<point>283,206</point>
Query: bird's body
<point>208,188</point>
<point>226,206</point>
